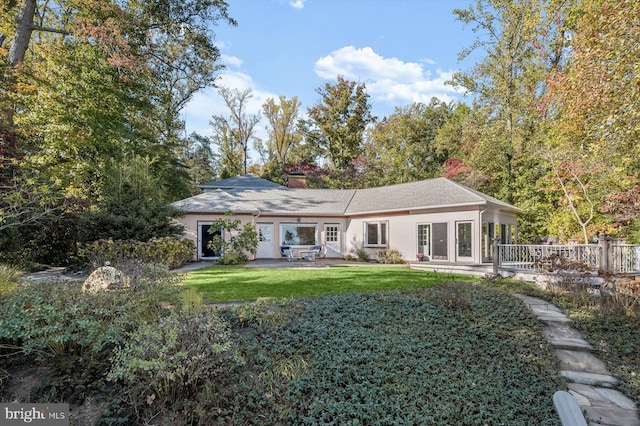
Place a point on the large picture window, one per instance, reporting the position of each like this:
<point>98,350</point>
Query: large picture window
<point>376,234</point>
<point>298,234</point>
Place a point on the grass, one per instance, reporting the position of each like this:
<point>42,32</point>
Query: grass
<point>233,283</point>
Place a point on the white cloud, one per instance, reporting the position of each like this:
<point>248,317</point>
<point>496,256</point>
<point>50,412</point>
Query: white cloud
<point>209,102</point>
<point>231,60</point>
<point>389,80</point>
<point>297,4</point>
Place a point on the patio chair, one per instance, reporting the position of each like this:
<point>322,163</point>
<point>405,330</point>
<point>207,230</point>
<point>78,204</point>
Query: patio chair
<point>285,252</point>
<point>319,250</point>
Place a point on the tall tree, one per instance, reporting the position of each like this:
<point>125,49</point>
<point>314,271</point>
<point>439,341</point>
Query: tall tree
<point>520,43</point>
<point>235,131</point>
<point>404,143</point>
<point>594,104</point>
<point>339,121</point>
<point>284,134</point>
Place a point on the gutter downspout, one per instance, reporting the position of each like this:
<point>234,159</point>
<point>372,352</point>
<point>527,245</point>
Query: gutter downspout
<point>254,216</point>
<point>480,223</point>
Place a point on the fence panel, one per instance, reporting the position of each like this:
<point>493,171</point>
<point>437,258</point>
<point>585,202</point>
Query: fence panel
<point>625,258</point>
<point>538,257</point>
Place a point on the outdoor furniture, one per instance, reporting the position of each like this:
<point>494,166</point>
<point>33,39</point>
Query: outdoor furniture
<point>319,250</point>
<point>285,251</point>
<point>308,253</point>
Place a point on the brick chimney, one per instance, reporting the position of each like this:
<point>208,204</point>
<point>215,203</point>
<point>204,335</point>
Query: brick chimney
<point>296,180</point>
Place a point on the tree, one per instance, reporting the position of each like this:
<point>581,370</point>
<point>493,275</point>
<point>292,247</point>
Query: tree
<point>133,205</point>
<point>593,103</point>
<point>284,134</point>
<point>404,143</point>
<point>338,123</point>
<point>199,160</point>
<point>234,132</point>
<point>522,41</point>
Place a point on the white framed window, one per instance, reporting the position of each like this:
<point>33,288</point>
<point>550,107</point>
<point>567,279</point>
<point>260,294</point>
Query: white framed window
<point>424,239</point>
<point>376,234</point>
<point>331,233</point>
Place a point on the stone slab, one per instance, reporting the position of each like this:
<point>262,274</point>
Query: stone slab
<point>581,361</point>
<point>592,379</point>
<point>600,397</point>
<point>612,416</point>
<point>562,331</point>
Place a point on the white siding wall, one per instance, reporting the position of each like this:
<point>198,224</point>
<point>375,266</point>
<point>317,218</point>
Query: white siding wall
<point>190,222</point>
<point>402,229</point>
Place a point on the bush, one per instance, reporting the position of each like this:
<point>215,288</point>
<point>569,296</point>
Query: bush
<point>389,256</point>
<point>233,241</point>
<point>9,278</point>
<point>57,322</point>
<point>167,251</point>
<point>166,365</point>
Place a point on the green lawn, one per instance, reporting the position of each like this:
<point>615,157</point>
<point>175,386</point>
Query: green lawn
<point>233,283</point>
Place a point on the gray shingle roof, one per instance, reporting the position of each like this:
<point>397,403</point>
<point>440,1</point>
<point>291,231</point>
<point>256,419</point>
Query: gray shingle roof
<point>216,201</point>
<point>430,193</point>
<point>253,195</point>
<point>244,181</point>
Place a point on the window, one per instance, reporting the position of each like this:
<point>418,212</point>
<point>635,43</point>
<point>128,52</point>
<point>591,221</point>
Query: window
<point>488,234</point>
<point>298,234</point>
<point>376,234</point>
<point>331,233</point>
<point>424,239</point>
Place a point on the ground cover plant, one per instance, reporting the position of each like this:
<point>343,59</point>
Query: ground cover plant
<point>229,284</point>
<point>452,354</point>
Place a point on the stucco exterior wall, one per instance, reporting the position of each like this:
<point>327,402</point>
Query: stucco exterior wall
<point>402,229</point>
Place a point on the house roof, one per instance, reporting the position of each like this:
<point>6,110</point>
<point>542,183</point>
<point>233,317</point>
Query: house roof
<point>254,195</point>
<point>245,181</point>
<point>424,194</point>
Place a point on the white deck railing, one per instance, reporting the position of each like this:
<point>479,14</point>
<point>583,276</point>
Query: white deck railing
<point>538,257</point>
<point>625,258</point>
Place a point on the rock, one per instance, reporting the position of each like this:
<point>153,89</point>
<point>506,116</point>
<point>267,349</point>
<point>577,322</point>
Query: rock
<point>105,278</point>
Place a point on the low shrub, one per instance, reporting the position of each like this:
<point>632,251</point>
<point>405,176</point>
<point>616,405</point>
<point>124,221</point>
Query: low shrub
<point>9,278</point>
<point>166,365</point>
<point>389,256</point>
<point>169,251</point>
<point>58,323</point>
<point>457,354</point>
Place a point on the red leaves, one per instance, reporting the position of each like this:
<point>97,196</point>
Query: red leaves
<point>454,167</point>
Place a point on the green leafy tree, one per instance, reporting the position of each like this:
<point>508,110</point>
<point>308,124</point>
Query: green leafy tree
<point>233,241</point>
<point>338,123</point>
<point>593,103</point>
<point>132,207</point>
<point>520,45</point>
<point>199,160</point>
<point>404,143</point>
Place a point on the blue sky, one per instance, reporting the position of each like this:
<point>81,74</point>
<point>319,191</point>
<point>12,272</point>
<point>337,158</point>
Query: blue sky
<point>403,50</point>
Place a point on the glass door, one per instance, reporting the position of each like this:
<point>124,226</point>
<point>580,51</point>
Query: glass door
<point>464,241</point>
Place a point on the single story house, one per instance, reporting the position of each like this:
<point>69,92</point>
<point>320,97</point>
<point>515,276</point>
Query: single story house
<point>435,219</point>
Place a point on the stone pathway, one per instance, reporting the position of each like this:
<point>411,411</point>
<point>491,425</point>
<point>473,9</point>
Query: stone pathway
<point>588,379</point>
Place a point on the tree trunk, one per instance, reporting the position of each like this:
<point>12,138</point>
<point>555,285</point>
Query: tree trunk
<point>23,32</point>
